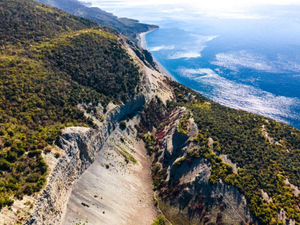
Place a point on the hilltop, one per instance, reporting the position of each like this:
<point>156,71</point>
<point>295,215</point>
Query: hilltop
<point>50,62</point>
<point>128,27</point>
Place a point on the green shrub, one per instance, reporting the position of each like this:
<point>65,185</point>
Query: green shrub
<point>34,153</point>
<point>5,201</point>
<point>123,124</point>
<point>159,221</point>
<point>11,156</point>
<point>20,151</point>
<point>5,165</point>
<point>33,177</point>
<point>10,132</point>
<point>29,189</point>
<point>182,126</point>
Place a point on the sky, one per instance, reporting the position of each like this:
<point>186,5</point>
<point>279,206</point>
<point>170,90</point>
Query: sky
<point>229,9</point>
<point>202,5</point>
<point>243,33</point>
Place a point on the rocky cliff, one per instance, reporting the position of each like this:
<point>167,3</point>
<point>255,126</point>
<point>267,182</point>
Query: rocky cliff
<point>81,145</point>
<point>184,192</point>
<point>208,163</point>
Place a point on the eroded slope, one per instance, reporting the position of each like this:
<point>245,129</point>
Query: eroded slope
<point>241,161</point>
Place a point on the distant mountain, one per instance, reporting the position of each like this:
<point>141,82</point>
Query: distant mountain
<point>88,4</point>
<point>127,27</point>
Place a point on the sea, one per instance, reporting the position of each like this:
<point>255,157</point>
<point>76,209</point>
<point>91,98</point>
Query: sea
<point>247,59</point>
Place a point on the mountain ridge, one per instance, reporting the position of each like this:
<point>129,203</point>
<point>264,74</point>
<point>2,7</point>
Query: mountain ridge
<point>128,27</point>
<point>69,86</point>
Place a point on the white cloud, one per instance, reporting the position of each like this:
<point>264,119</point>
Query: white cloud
<point>189,9</point>
<point>212,5</point>
<point>235,15</point>
<point>175,10</point>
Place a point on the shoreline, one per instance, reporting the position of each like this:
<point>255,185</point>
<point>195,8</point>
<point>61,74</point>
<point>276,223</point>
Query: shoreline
<point>143,44</point>
<point>142,38</point>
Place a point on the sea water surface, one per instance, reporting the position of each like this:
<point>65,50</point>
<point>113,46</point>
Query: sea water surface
<point>242,70</point>
<point>246,60</point>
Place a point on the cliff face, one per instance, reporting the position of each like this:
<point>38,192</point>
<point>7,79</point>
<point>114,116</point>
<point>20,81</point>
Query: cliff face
<point>55,68</point>
<point>81,145</point>
<point>185,193</point>
<point>51,63</point>
<point>117,186</point>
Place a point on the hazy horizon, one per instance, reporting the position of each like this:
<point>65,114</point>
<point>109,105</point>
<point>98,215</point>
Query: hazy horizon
<point>189,9</point>
<point>244,55</point>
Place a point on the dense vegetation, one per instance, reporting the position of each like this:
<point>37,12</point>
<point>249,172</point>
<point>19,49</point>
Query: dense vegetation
<point>50,62</point>
<point>95,59</point>
<point>264,165</point>
<point>265,160</point>
<point>127,27</point>
<point>25,21</point>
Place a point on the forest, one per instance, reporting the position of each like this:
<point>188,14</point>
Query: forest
<point>262,164</point>
<point>51,61</point>
<point>128,27</point>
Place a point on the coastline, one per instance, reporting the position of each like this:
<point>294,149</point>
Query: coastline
<point>143,44</point>
<point>142,38</point>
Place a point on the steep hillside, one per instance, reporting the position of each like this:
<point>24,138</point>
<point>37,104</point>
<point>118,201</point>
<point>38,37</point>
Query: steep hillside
<point>128,27</point>
<point>25,22</point>
<point>48,67</point>
<point>197,171</point>
<point>77,103</point>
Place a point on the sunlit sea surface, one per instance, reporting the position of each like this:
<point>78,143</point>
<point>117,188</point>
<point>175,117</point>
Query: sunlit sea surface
<point>249,61</point>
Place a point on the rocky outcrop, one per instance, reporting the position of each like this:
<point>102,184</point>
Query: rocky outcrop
<point>117,186</point>
<point>80,146</point>
<point>294,187</point>
<point>187,196</point>
<point>79,153</point>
